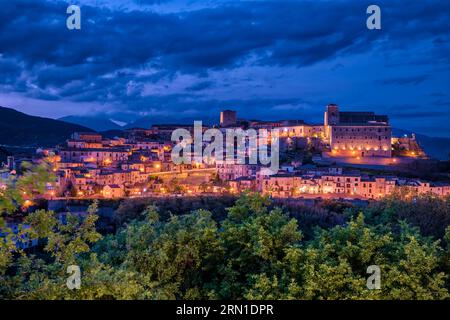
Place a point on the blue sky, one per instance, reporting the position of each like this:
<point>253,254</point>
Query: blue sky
<point>190,59</point>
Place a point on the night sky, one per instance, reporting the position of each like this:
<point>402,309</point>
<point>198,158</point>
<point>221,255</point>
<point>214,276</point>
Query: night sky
<point>190,59</point>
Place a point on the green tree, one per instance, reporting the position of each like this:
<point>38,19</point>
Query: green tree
<point>174,259</point>
<point>336,261</point>
<point>256,240</point>
<point>44,276</point>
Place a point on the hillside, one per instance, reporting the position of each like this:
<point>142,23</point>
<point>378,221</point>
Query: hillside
<point>20,129</point>
<point>434,147</point>
<point>94,123</point>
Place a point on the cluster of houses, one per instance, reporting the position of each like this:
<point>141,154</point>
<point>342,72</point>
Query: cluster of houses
<point>332,182</point>
<point>139,162</point>
<point>91,165</point>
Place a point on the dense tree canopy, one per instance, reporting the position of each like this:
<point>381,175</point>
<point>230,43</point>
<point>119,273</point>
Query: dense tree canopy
<point>258,251</point>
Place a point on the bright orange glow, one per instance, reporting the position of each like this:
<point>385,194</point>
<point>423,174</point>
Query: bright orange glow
<point>27,203</point>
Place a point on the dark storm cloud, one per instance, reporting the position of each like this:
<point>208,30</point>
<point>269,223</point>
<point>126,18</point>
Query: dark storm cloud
<point>189,107</point>
<point>151,1</point>
<point>276,32</point>
<point>10,70</point>
<point>437,94</point>
<point>106,61</point>
<point>441,103</point>
<point>200,86</point>
<point>418,114</point>
<point>414,80</point>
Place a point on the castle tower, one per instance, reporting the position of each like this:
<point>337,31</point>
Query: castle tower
<point>331,115</point>
<point>228,118</point>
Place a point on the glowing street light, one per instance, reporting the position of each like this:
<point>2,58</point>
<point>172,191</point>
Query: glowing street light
<point>27,203</point>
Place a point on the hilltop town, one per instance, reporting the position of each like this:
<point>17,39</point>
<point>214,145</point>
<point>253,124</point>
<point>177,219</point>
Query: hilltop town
<point>341,158</point>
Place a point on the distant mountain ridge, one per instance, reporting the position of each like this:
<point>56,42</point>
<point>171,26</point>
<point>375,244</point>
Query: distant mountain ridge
<point>93,122</point>
<point>434,147</point>
<point>20,129</point>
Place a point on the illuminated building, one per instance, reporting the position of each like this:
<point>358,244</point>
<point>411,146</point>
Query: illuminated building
<point>357,134</point>
<point>228,118</point>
